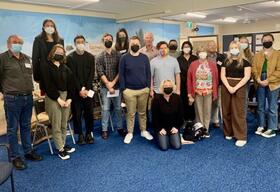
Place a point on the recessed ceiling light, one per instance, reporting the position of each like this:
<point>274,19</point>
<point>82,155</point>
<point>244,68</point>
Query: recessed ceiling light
<point>197,15</point>
<point>229,20</point>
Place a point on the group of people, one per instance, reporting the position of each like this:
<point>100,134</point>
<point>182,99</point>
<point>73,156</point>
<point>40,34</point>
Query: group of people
<point>170,86</point>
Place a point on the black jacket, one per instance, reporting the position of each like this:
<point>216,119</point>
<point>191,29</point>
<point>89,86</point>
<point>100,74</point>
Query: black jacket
<point>39,57</point>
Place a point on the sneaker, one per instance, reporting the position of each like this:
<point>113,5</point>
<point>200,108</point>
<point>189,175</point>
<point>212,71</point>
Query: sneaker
<point>63,155</point>
<point>240,143</point>
<point>69,149</point>
<point>147,135</point>
<point>128,138</point>
<point>206,134</point>
<point>269,133</point>
<point>259,131</point>
<point>228,137</point>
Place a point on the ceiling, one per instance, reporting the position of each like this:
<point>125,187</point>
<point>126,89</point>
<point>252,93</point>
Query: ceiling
<point>128,10</point>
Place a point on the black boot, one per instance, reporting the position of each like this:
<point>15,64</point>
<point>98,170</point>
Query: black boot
<point>89,139</point>
<point>81,140</point>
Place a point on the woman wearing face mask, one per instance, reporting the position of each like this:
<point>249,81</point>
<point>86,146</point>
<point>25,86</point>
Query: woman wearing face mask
<point>59,87</point>
<point>266,73</point>
<point>244,45</point>
<point>185,59</point>
<point>202,85</point>
<point>235,73</point>
<point>42,45</point>
<point>167,116</point>
<point>122,43</point>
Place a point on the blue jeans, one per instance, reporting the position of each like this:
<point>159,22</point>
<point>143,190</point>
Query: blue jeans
<point>18,112</point>
<point>264,93</point>
<point>106,109</point>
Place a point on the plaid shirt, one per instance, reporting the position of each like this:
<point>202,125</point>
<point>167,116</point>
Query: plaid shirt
<point>108,65</point>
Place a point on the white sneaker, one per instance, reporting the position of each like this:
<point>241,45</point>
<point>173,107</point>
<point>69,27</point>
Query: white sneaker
<point>128,138</point>
<point>259,131</point>
<point>147,135</point>
<point>269,133</point>
<point>228,137</point>
<point>240,143</point>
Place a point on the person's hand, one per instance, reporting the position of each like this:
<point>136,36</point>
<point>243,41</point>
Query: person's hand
<point>109,85</point>
<point>111,91</point>
<point>231,90</point>
<point>191,100</point>
<point>162,132</point>
<point>264,83</point>
<point>61,102</point>
<point>178,91</point>
<point>68,102</point>
<point>83,93</point>
<point>174,130</point>
<point>152,93</point>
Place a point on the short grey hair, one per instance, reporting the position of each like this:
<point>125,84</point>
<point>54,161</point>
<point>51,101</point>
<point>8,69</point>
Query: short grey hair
<point>14,36</point>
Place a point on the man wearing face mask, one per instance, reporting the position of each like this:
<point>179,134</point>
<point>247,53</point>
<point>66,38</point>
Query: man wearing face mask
<point>107,64</point>
<point>164,67</point>
<point>42,45</point>
<point>17,86</point>
<point>217,58</point>
<point>82,65</point>
<point>266,73</point>
<point>135,81</point>
<point>173,46</point>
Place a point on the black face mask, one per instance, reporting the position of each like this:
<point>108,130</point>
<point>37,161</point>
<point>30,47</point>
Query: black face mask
<point>168,90</point>
<point>173,47</point>
<point>135,48</point>
<point>58,57</point>
<point>267,44</point>
<point>122,39</point>
<point>108,44</point>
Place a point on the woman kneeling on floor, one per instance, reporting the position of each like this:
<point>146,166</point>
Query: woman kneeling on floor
<point>167,116</point>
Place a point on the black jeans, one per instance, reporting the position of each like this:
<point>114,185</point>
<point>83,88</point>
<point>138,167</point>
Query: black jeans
<point>164,141</point>
<point>82,106</point>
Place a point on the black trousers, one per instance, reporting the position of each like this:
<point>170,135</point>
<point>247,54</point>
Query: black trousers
<point>82,107</point>
<point>173,140</point>
<point>189,113</point>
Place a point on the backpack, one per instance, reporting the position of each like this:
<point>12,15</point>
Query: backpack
<point>193,131</point>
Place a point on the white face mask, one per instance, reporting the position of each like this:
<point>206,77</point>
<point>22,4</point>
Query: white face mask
<point>80,47</point>
<point>244,45</point>
<point>49,30</point>
<point>186,50</point>
<point>234,51</point>
<point>202,55</point>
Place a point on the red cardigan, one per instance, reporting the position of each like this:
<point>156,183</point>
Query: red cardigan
<point>191,78</point>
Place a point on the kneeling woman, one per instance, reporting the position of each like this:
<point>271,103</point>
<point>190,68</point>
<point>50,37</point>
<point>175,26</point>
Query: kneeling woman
<point>167,116</point>
<point>58,82</point>
<point>235,73</point>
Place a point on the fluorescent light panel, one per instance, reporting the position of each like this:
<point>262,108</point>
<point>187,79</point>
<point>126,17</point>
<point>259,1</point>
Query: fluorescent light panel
<point>197,15</point>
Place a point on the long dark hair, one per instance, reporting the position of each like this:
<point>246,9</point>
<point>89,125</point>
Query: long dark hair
<point>55,35</point>
<point>182,47</point>
<point>118,41</point>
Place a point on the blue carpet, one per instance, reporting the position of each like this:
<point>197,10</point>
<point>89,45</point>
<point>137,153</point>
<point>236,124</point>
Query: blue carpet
<point>210,165</point>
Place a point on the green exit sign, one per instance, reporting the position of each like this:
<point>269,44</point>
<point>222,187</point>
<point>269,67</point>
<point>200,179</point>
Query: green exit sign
<point>189,24</point>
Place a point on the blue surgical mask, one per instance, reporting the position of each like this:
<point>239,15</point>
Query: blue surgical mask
<point>16,48</point>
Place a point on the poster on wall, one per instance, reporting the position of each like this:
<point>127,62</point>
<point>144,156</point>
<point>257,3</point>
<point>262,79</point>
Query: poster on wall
<point>202,41</point>
<point>258,39</point>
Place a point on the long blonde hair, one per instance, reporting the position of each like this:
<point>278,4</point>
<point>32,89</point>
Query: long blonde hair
<point>240,56</point>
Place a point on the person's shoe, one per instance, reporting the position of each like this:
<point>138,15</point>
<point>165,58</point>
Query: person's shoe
<point>206,134</point>
<point>240,143</point>
<point>216,125</point>
<point>89,139</point>
<point>81,140</point>
<point>32,156</point>
<point>122,132</point>
<point>146,135</point>
<point>69,149</point>
<point>105,135</point>
<point>19,164</point>
<point>63,155</point>
<point>269,133</point>
<point>259,131</point>
<point>128,138</point>
<point>228,137</point>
